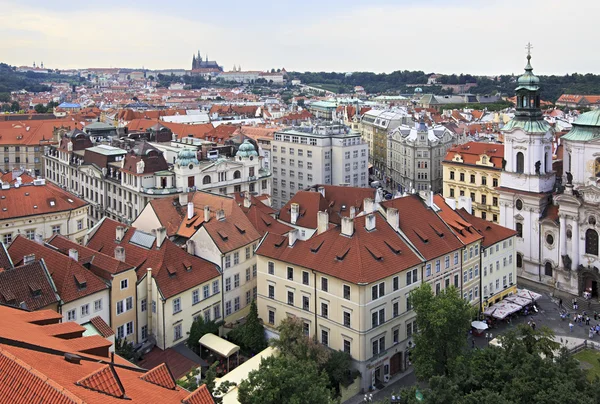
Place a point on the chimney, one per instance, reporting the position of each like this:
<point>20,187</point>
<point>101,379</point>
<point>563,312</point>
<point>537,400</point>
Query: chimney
<point>220,214</point>
<point>120,253</point>
<point>370,222</point>
<point>247,201</point>
<point>451,202</point>
<point>74,254</point>
<point>322,222</point>
<point>120,233</point>
<point>322,191</point>
<point>393,218</point>
<point>161,235</point>
<point>347,226</point>
<point>294,212</point>
<point>190,247</point>
<point>466,203</point>
<point>190,210</point>
<point>28,259</point>
<point>38,238</point>
<point>206,213</point>
<point>352,212</point>
<point>183,198</point>
<point>149,299</point>
<point>368,205</point>
<point>292,237</point>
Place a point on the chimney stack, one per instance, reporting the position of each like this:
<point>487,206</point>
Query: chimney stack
<point>206,213</point>
<point>352,212</point>
<point>183,199</point>
<point>120,233</point>
<point>370,222</point>
<point>74,254</point>
<point>322,222</point>
<point>292,237</point>
<point>120,253</point>
<point>368,205</point>
<point>451,202</point>
<point>161,235</point>
<point>28,259</point>
<point>295,210</point>
<point>247,201</point>
<point>322,191</point>
<point>38,238</point>
<point>190,247</point>
<point>393,218</point>
<point>347,226</point>
<point>220,214</point>
<point>466,203</point>
<point>190,210</point>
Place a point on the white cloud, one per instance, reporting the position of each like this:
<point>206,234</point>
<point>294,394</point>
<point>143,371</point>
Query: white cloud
<point>480,38</point>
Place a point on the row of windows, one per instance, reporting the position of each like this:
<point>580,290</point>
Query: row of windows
<point>7,238</point>
<point>84,310</point>
<point>497,288</point>
<point>236,278</point>
<point>196,296</point>
<point>250,295</point>
<point>472,179</point>
<point>249,252</point>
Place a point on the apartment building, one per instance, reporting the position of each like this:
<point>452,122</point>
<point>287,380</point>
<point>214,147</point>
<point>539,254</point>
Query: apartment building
<point>350,286</point>
<point>473,170</point>
<point>34,208</point>
<point>375,127</point>
<point>213,227</point>
<point>322,154</point>
<point>415,156</point>
<point>173,286</point>
<point>120,277</point>
<point>83,295</point>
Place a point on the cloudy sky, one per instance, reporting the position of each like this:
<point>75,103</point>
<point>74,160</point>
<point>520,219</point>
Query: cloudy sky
<point>444,36</point>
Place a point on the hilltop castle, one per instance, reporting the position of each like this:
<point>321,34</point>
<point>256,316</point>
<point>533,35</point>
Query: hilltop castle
<point>198,63</point>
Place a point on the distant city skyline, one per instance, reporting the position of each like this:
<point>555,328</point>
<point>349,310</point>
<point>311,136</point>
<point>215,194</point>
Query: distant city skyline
<point>458,36</point>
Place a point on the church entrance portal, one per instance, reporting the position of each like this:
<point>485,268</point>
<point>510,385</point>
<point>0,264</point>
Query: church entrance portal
<point>589,281</point>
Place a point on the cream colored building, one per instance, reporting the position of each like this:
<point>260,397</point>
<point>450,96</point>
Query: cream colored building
<point>350,287</point>
<point>473,170</point>
<point>34,208</point>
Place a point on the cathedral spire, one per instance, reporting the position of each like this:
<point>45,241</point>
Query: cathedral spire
<point>528,97</point>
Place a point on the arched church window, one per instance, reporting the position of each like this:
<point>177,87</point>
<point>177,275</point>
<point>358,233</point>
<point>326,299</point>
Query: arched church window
<point>591,242</point>
<point>236,174</point>
<point>206,179</point>
<point>519,229</point>
<point>569,234</point>
<point>548,269</point>
<point>524,102</point>
<point>519,260</point>
<point>520,162</point>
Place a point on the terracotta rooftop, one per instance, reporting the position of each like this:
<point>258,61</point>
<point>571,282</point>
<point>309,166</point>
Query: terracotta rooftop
<point>471,153</point>
<point>72,280</point>
<point>103,328</point>
<point>28,285</point>
<point>464,230</point>
<point>32,132</point>
<point>491,232</point>
<point>365,257</point>
<point>178,364</point>
<point>161,376</point>
<point>200,396</point>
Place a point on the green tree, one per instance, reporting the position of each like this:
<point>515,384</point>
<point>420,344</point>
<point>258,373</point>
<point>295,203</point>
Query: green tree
<point>443,321</point>
<point>250,336</point>
<point>190,382</point>
<point>198,329</point>
<point>125,349</point>
<point>15,107</point>
<point>339,370</point>
<point>40,109</point>
<point>282,379</point>
<point>293,342</point>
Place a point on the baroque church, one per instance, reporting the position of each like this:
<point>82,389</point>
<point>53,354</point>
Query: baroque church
<point>198,63</point>
<point>557,225</point>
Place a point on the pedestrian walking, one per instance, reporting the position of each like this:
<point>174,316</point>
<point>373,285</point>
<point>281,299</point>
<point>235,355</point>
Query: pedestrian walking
<point>571,326</point>
<point>591,333</point>
<point>560,303</point>
<point>473,343</point>
<point>587,320</point>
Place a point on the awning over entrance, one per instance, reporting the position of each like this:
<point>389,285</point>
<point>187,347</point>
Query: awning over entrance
<point>219,345</point>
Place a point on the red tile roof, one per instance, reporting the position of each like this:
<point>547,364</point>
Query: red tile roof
<point>161,376</point>
<point>103,328</point>
<point>29,284</point>
<point>190,270</point>
<point>32,132</point>
<point>30,200</point>
<point>200,396</point>
<point>425,230</point>
<point>264,223</point>
<point>178,364</point>
<point>365,257</point>
<point>169,213</point>
<point>471,153</point>
<point>464,230</point>
<point>65,272</point>
<point>11,177</point>
<point>491,232</point>
<point>104,380</point>
<point>5,262</point>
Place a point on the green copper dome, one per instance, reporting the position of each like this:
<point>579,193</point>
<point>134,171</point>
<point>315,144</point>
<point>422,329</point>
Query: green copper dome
<point>186,157</point>
<point>246,149</point>
<point>528,79</point>
<point>585,128</point>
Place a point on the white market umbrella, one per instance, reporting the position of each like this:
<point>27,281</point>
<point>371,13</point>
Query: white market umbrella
<point>479,325</point>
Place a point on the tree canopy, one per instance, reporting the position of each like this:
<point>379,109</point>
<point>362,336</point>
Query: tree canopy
<point>250,336</point>
<point>198,329</point>
<point>443,321</point>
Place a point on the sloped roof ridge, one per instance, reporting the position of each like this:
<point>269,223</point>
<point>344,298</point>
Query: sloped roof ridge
<point>161,376</point>
<point>104,380</point>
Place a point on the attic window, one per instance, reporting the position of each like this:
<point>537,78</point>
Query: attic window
<point>81,282</point>
<point>374,254</point>
<point>343,255</point>
<point>267,223</point>
<point>395,250</point>
<point>5,209</point>
<point>187,265</point>
<point>421,235</point>
<point>279,243</point>
<point>171,270</point>
<point>26,193</point>
<point>437,230</point>
<point>488,228</point>
<point>36,290</point>
<point>223,235</point>
<point>316,248</point>
<point>34,207</point>
<point>241,230</point>
<point>52,202</point>
<point>70,200</point>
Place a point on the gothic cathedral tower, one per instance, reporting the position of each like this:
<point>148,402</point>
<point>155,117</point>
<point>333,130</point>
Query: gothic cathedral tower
<point>527,179</point>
